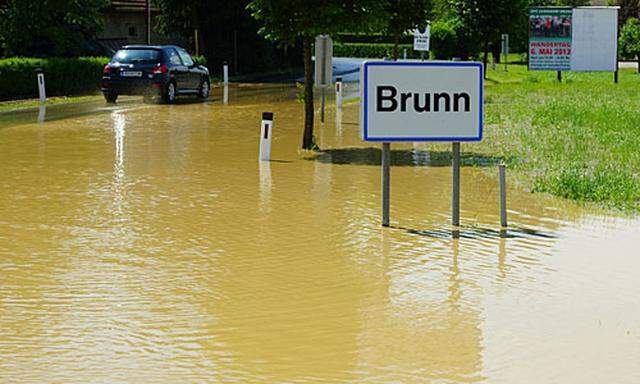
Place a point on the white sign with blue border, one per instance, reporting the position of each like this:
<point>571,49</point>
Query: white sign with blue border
<point>421,101</point>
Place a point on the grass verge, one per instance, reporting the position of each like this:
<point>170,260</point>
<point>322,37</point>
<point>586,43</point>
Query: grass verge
<point>579,139</point>
<point>8,106</point>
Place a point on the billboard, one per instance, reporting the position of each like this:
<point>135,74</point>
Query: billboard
<point>421,101</point>
<point>573,39</point>
<point>550,39</point>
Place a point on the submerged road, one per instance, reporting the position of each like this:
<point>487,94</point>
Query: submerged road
<point>147,244</point>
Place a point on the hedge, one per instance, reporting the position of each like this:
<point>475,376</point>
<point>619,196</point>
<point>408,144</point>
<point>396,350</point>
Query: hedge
<point>373,51</point>
<point>63,77</point>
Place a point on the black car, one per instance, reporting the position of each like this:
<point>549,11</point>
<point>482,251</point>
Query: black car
<point>165,71</point>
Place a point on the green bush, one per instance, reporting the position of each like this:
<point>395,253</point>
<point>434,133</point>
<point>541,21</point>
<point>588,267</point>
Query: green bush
<point>449,38</point>
<point>373,51</point>
<point>63,77</point>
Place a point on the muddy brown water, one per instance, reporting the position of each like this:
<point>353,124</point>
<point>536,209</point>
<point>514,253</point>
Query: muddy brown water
<point>146,244</point>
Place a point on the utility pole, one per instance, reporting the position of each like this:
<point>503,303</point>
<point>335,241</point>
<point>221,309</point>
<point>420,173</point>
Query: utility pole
<point>149,22</point>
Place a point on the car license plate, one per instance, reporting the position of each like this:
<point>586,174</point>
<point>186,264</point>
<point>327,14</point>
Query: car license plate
<point>131,74</point>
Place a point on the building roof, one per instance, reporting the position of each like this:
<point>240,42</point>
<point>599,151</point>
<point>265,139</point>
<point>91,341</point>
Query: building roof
<point>130,5</point>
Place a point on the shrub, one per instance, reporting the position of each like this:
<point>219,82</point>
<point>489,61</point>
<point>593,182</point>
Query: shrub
<point>62,76</point>
<point>373,51</point>
<point>630,39</point>
<point>449,38</point>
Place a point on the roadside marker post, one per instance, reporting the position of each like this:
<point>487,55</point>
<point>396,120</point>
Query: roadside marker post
<point>421,101</point>
<point>266,133</point>
<point>225,95</point>
<point>338,92</point>
<point>225,73</point>
<point>41,86</point>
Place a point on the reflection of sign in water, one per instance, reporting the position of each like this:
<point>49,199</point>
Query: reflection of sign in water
<point>421,39</point>
<point>422,101</point>
<point>579,39</point>
<point>550,39</point>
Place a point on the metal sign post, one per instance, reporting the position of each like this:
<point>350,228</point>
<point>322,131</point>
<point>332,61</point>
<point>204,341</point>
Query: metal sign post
<point>323,67</point>
<point>455,200</point>
<point>386,182</point>
<point>505,50</point>
<point>421,101</point>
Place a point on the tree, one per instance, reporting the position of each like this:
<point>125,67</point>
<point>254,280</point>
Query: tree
<point>49,27</point>
<point>487,20</point>
<point>630,39</point>
<point>226,32</point>
<point>288,21</point>
<point>400,16</point>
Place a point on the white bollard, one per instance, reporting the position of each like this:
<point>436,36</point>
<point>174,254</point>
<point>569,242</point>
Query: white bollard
<point>225,73</point>
<point>41,88</point>
<point>266,132</point>
<point>225,95</point>
<point>404,53</point>
<point>339,92</point>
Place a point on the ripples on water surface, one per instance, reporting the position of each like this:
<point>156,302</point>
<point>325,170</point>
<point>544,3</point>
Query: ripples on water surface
<point>147,244</point>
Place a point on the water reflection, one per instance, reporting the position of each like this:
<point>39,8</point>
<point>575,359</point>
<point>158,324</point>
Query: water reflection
<point>265,185</point>
<point>42,113</point>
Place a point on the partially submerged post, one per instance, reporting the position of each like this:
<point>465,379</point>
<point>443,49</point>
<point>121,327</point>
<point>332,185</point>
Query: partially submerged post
<point>225,73</point>
<point>455,196</point>
<point>266,132</point>
<point>41,87</point>
<point>503,196</point>
<point>386,182</point>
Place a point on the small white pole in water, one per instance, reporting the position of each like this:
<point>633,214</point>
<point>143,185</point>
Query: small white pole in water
<point>404,53</point>
<point>503,196</point>
<point>339,92</point>
<point>225,73</point>
<point>41,88</point>
<point>265,136</point>
<point>225,95</point>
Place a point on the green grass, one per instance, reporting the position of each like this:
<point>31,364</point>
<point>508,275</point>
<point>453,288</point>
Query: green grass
<point>8,106</point>
<point>578,140</point>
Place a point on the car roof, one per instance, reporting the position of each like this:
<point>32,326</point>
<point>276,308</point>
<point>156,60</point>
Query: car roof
<point>144,46</point>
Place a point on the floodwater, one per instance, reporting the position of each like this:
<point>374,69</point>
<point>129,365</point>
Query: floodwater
<point>147,244</point>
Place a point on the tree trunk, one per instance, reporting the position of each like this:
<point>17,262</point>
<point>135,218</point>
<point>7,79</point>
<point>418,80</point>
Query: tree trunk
<point>485,58</point>
<point>307,140</point>
<point>396,43</point>
<point>497,51</point>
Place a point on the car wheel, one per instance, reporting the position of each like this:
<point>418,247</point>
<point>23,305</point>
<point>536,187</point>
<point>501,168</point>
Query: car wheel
<point>110,97</point>
<point>169,95</point>
<point>204,90</point>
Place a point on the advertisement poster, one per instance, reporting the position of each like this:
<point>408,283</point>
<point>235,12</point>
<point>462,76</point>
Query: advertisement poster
<point>550,39</point>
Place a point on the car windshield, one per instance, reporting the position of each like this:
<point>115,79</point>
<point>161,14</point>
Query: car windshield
<point>132,56</point>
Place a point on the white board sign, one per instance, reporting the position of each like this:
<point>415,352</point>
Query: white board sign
<point>595,39</point>
<point>324,61</point>
<point>505,44</point>
<point>421,39</point>
<point>421,101</point>
<point>578,39</point>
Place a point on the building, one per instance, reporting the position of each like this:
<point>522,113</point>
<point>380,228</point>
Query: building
<point>126,22</point>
